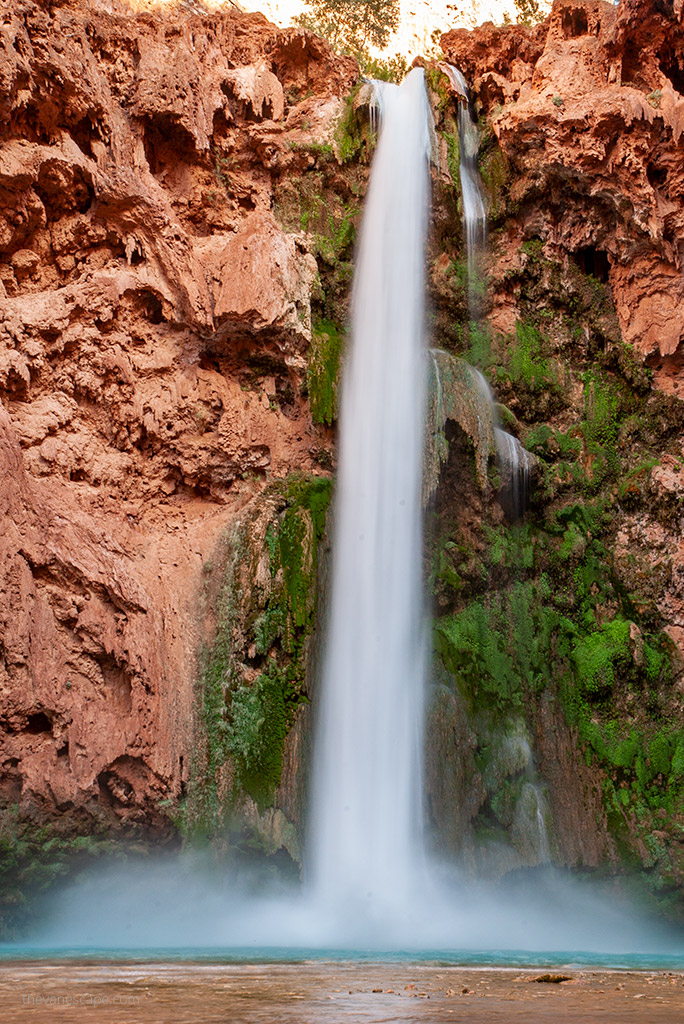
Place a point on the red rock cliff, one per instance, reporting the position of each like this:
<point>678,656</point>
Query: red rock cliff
<point>154,322</point>
<point>588,107</point>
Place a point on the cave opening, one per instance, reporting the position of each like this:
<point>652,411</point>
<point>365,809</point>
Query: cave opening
<point>669,65</point>
<point>38,723</point>
<point>575,23</point>
<point>632,67</point>
<point>657,176</point>
<point>82,133</point>
<point>593,261</point>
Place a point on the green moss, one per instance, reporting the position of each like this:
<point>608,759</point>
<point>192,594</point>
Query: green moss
<point>33,857</point>
<point>554,621</point>
<point>354,139</point>
<point>453,146</point>
<point>498,647</point>
<point>600,655</point>
<point>258,724</point>
<point>242,723</point>
<point>601,424</point>
<point>323,150</point>
<point>526,363</point>
<point>339,232</point>
<point>438,83</point>
<point>495,173</point>
<point>633,487</point>
<point>479,345</point>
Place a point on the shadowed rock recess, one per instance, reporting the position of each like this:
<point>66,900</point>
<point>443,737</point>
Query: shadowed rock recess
<point>179,195</point>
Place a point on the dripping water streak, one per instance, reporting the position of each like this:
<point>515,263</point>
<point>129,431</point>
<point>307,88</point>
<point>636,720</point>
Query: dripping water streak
<point>474,212</point>
<point>515,464</point>
<point>365,845</point>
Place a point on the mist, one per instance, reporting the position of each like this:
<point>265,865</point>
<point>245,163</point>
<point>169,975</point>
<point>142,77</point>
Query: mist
<point>186,903</point>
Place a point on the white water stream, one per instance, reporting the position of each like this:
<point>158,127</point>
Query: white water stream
<point>474,212</point>
<point>365,839</point>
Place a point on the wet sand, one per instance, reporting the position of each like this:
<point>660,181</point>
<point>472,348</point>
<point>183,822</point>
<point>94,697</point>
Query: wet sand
<point>332,993</point>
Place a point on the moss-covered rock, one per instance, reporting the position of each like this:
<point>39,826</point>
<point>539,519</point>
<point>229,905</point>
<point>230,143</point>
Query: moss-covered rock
<point>254,682</point>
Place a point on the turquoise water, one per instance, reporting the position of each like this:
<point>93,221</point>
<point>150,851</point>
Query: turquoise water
<point>499,958</point>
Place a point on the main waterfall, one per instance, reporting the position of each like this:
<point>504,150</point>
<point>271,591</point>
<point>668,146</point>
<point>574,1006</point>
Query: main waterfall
<point>364,843</point>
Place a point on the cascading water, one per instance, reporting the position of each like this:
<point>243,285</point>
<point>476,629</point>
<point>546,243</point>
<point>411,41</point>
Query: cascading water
<point>474,212</point>
<point>515,466</point>
<point>365,841</point>
<point>515,463</point>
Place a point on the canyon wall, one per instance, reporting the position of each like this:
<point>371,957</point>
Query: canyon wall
<point>562,634</point>
<point>180,193</point>
<point>155,328</point>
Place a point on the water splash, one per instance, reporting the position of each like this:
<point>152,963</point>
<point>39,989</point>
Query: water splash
<point>364,846</point>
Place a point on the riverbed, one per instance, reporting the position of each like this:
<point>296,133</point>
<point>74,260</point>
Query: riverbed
<point>158,992</point>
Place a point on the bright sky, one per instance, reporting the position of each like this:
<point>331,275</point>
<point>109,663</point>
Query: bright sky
<point>418,18</point>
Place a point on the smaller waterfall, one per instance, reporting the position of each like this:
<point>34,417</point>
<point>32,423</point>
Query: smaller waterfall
<point>377,104</point>
<point>474,212</point>
<point>515,462</point>
<point>515,465</point>
<point>543,838</point>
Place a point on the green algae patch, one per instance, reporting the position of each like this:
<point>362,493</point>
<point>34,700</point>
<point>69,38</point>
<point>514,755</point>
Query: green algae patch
<point>323,372</point>
<point>254,675</point>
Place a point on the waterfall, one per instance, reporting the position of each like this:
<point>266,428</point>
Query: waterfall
<point>474,212</point>
<point>515,463</point>
<point>365,835</point>
<point>515,466</point>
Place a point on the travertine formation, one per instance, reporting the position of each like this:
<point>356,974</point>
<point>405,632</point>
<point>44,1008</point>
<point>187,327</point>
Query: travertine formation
<point>587,109</point>
<point>588,115</point>
<point>154,324</point>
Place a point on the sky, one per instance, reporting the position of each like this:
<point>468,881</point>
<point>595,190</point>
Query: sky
<point>418,18</point>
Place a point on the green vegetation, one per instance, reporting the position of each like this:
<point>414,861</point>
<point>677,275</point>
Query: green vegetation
<point>323,371</point>
<point>259,721</point>
<point>353,137</point>
<point>353,26</point>
<point>528,12</point>
<point>389,69</point>
<point>495,173</point>
<point>552,618</point>
<point>243,721</point>
<point>601,425</point>
<point>526,364</point>
<point>32,858</point>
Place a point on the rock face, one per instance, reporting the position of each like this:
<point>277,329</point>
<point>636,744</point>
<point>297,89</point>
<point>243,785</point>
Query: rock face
<point>179,194</point>
<point>587,109</point>
<point>582,338</point>
<point>154,327</point>
<point>588,118</point>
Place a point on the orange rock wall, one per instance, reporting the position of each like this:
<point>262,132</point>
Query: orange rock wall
<point>589,109</point>
<point>154,325</point>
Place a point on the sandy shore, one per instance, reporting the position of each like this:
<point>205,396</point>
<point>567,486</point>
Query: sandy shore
<point>332,993</point>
